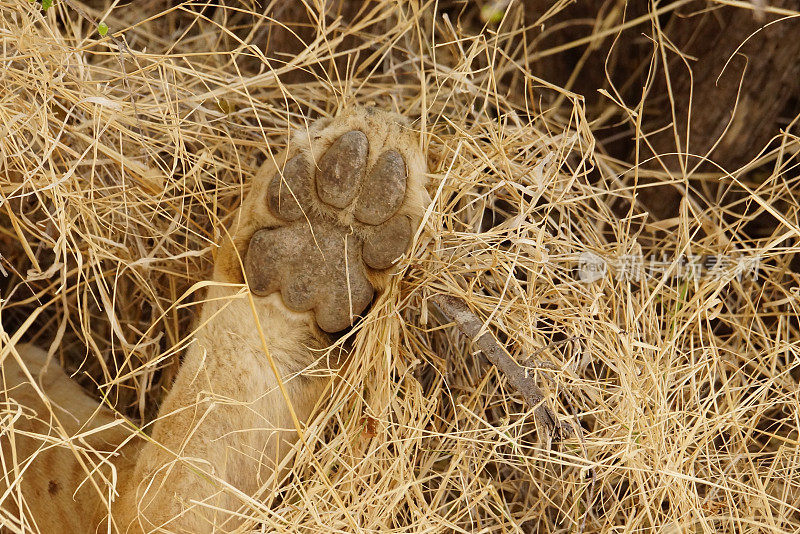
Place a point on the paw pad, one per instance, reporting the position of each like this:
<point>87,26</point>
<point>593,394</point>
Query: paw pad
<point>315,261</point>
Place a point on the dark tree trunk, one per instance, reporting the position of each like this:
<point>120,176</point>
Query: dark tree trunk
<point>731,58</point>
<point>739,79</point>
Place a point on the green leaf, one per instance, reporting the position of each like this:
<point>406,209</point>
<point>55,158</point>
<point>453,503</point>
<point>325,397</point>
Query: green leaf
<point>492,13</point>
<point>102,29</point>
<point>47,4</point>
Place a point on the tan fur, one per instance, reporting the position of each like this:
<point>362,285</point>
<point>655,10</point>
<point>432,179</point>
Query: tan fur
<point>55,425</point>
<point>226,424</point>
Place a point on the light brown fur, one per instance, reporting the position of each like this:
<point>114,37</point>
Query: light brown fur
<point>226,424</point>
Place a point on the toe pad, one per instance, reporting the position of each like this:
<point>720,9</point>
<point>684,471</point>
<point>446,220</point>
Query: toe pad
<point>341,169</point>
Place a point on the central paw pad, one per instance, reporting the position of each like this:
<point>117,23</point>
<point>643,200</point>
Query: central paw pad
<point>316,261</point>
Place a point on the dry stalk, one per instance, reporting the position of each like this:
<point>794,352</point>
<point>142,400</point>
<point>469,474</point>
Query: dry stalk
<point>116,180</point>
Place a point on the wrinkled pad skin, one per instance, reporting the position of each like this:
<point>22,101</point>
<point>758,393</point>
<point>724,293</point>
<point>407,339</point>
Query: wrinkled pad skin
<point>322,271</point>
<point>316,262</point>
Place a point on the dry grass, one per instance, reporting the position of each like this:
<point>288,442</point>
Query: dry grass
<point>120,168</point>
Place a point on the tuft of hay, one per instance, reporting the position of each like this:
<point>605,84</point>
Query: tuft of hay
<point>124,156</point>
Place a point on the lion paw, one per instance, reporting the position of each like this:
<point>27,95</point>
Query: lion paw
<point>345,211</point>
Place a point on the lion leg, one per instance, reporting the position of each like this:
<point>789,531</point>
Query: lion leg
<point>316,239</point>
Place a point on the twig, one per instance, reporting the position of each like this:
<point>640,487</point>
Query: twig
<point>457,311</point>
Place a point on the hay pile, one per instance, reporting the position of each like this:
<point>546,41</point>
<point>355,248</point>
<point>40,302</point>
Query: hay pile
<point>123,158</point>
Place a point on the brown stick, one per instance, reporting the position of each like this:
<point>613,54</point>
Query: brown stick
<point>457,311</point>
